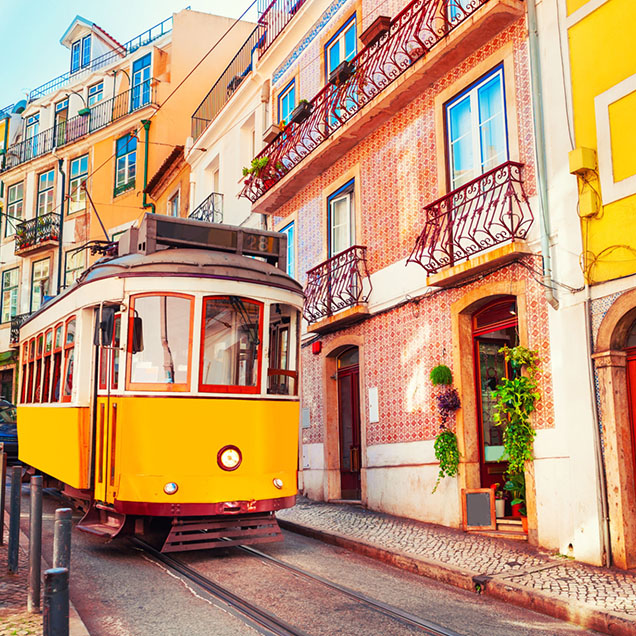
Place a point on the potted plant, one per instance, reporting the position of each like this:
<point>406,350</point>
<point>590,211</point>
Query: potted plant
<point>500,502</point>
<point>516,486</point>
<point>341,73</point>
<point>301,112</point>
<point>257,166</point>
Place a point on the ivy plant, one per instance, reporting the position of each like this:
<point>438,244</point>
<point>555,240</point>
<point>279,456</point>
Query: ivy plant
<point>447,453</point>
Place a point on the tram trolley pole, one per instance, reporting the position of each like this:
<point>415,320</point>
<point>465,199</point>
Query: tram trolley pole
<point>14,520</point>
<point>35,544</point>
<point>56,602</point>
<point>62,538</point>
<point>3,487</point>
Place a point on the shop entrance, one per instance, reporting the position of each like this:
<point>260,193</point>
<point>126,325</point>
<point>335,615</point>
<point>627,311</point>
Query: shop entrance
<point>349,423</point>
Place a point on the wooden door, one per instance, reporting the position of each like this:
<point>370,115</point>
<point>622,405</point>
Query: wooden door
<point>349,425</point>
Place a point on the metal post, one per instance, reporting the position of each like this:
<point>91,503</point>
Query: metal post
<point>14,519</point>
<point>62,538</point>
<point>55,619</point>
<point>35,544</point>
<point>3,488</point>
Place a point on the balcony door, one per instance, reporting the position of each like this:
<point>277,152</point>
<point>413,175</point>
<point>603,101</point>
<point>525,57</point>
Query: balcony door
<point>348,375</point>
<point>140,95</point>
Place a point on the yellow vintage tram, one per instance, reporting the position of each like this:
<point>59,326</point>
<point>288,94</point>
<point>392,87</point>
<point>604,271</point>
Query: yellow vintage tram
<point>161,389</point>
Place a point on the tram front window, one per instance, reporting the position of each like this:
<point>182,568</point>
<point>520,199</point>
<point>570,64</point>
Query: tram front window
<point>230,345</point>
<point>164,359</point>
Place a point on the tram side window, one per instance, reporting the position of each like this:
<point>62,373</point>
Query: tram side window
<point>230,345</point>
<point>46,367</point>
<point>25,371</point>
<point>29,397</point>
<point>164,360</point>
<point>37,383</point>
<point>111,356</point>
<point>282,372</point>
<point>69,351</point>
<point>57,363</point>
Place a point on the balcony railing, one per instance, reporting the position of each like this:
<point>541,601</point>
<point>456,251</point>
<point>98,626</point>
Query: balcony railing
<point>104,60</point>
<point>231,78</point>
<point>412,33</point>
<point>275,18</point>
<point>16,323</point>
<point>485,212</point>
<point>337,284</point>
<point>29,234</point>
<point>210,210</point>
<point>66,132</point>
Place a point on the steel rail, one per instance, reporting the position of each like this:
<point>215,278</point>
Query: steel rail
<point>388,610</point>
<point>258,617</point>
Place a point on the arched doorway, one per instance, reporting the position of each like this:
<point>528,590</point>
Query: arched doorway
<point>348,378</point>
<point>494,326</point>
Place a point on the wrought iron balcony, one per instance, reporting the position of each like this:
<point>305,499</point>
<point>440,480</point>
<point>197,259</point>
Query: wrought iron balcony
<point>337,284</point>
<point>104,60</point>
<point>488,211</point>
<point>275,18</point>
<point>210,210</point>
<point>31,234</point>
<point>101,114</point>
<point>411,35</point>
<point>16,323</point>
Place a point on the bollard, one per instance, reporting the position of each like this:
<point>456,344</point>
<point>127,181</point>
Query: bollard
<point>62,538</point>
<point>14,519</point>
<point>55,615</point>
<point>35,544</point>
<point>3,488</point>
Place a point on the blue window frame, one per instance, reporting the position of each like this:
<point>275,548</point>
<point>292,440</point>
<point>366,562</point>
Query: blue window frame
<point>86,51</point>
<point>341,47</point>
<point>476,128</point>
<point>95,93</point>
<point>140,95</point>
<point>290,231</point>
<point>341,219</point>
<point>287,102</point>
<point>75,56</point>
<point>125,165</point>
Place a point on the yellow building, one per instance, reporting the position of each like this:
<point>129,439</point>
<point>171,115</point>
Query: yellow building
<point>602,61</point>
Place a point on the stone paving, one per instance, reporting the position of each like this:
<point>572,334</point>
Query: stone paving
<point>603,589</point>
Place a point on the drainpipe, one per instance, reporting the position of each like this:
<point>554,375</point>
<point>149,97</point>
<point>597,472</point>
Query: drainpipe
<point>145,203</point>
<point>542,172</point>
<point>61,228</point>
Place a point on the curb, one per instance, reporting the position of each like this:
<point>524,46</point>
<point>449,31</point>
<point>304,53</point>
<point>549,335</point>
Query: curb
<point>494,586</point>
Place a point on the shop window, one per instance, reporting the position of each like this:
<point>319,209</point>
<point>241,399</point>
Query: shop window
<point>282,372</point>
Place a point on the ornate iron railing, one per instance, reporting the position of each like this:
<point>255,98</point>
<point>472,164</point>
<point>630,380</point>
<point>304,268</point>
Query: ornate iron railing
<point>413,32</point>
<point>101,114</point>
<point>337,284</point>
<point>16,323</point>
<point>487,211</point>
<point>275,18</point>
<point>30,233</point>
<point>210,210</point>
<point>231,78</point>
<point>104,60</point>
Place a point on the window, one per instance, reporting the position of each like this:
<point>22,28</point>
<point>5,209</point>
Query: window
<point>341,219</point>
<point>69,351</point>
<point>81,54</point>
<point>282,374</point>
<point>341,47</point>
<point>45,192</point>
<point>75,265</point>
<point>95,93</point>
<point>46,367</point>
<point>287,102</point>
<point>39,283</point>
<point>77,177</point>
<point>61,116</point>
<point>25,372</point>
<point>231,334</point>
<point>86,51</point>
<point>75,56</point>
<point>125,164</point>
<point>140,95</point>
<point>476,124</point>
<point>57,363</point>
<point>163,363</point>
<point>29,392</point>
<point>109,359</point>
<point>37,380</point>
<point>10,283</point>
<point>31,135</point>
<point>173,205</point>
<point>289,231</point>
<point>15,196</point>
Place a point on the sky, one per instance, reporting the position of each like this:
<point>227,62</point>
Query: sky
<point>30,32</point>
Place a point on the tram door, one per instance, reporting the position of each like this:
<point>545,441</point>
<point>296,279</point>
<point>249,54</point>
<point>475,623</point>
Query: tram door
<point>106,442</point>
<point>349,423</point>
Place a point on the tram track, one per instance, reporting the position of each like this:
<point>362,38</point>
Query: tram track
<point>268,623</point>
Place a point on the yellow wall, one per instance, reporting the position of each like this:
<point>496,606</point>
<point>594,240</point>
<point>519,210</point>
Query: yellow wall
<point>602,54</point>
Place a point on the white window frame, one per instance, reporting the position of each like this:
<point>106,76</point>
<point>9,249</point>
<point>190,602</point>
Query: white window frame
<point>41,283</point>
<point>290,231</point>
<point>45,195</point>
<point>12,297</point>
<point>15,208</point>
<point>176,196</point>
<point>76,49</point>
<point>348,195</point>
<point>74,265</point>
<point>77,195</point>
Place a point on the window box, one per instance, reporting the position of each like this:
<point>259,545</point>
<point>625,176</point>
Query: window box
<point>376,30</point>
<point>341,73</point>
<point>271,133</point>
<point>124,187</point>
<point>301,112</point>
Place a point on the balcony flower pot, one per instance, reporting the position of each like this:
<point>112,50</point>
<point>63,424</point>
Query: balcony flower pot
<point>271,133</point>
<point>301,112</point>
<point>341,73</point>
<point>376,30</point>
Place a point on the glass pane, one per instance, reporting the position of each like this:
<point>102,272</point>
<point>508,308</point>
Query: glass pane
<point>340,224</point>
<point>349,358</point>
<point>283,330</point>
<point>350,43</point>
<point>70,332</point>
<point>492,367</point>
<point>492,124</point>
<point>230,342</point>
<point>333,55</point>
<point>68,373</point>
<point>58,337</point>
<point>461,143</point>
<point>49,342</point>
<point>166,340</point>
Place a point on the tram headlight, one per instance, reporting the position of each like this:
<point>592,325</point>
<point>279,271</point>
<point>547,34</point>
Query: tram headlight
<point>170,488</point>
<point>278,483</point>
<point>229,458</point>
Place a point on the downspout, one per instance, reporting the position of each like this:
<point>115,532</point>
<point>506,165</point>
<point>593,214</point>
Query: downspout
<point>542,172</point>
<point>145,203</point>
<point>61,228</point>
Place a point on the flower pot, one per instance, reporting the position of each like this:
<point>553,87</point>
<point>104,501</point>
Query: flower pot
<point>375,30</point>
<point>516,510</point>
<point>301,112</point>
<point>271,133</point>
<point>500,508</point>
<point>524,524</point>
<point>341,73</point>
